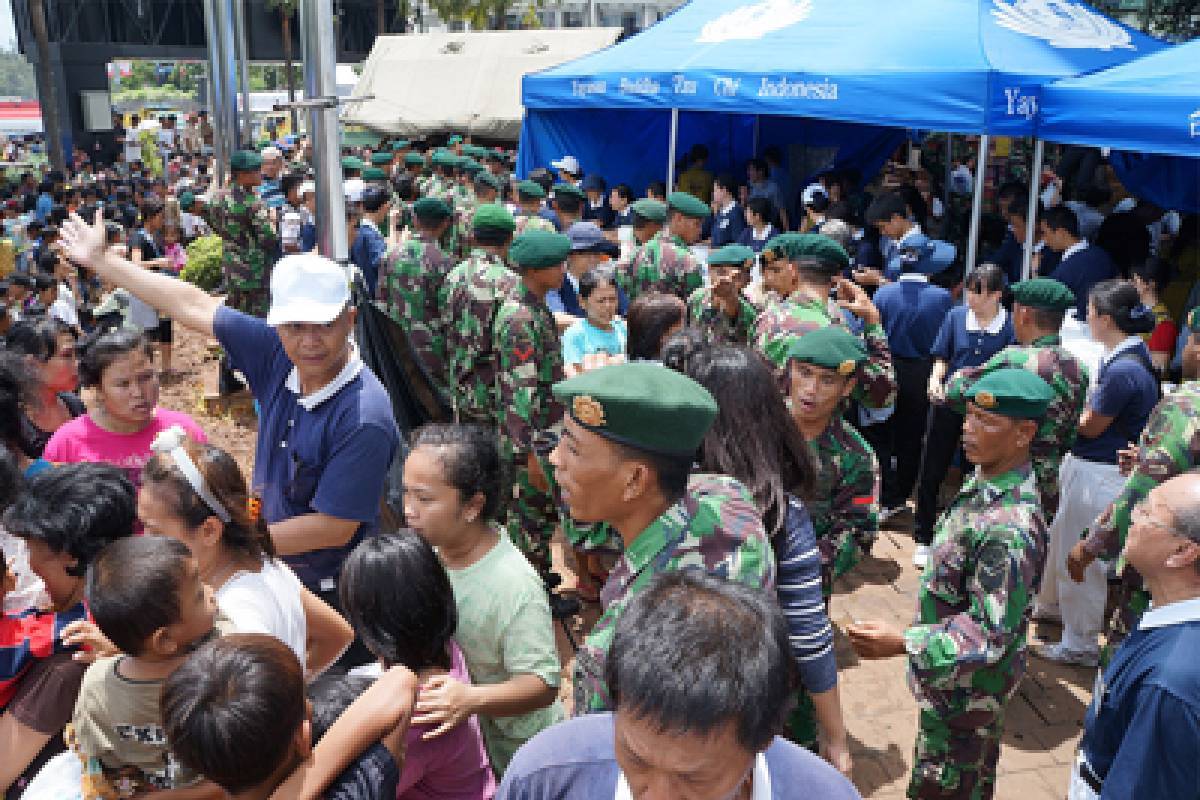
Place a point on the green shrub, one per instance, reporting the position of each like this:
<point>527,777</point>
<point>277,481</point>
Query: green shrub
<point>204,263</point>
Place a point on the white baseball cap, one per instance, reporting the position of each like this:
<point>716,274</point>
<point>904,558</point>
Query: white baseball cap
<point>307,288</point>
<point>567,163</point>
<point>811,192</point>
<point>354,189</point>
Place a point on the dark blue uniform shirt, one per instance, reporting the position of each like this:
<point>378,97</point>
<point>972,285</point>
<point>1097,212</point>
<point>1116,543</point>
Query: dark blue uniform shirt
<point>912,311</point>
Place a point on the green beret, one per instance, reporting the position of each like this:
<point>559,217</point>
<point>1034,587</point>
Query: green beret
<point>653,210</point>
<point>381,159</point>
<point>187,201</point>
<point>455,139</point>
<point>831,347</point>
<point>539,250</point>
<point>1044,293</point>
<point>568,190</point>
<point>432,208</point>
<point>400,145</point>
<point>352,163</point>
<point>642,405</point>
<point>688,204</point>
<point>474,150</point>
<point>798,246</point>
<point>263,143</point>
<point>493,215</point>
<point>488,179</point>
<point>470,165</point>
<point>1010,392</point>
<point>531,189</point>
<point>494,155</point>
<point>414,159</point>
<point>245,161</point>
<point>443,159</point>
<point>737,254</point>
<point>374,174</point>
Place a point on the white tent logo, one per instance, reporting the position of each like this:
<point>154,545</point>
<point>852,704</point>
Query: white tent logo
<point>1062,23</point>
<point>755,21</point>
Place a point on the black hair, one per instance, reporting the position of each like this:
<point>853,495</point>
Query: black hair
<point>16,382</point>
<point>406,187</point>
<point>595,278</point>
<point>671,471</point>
<point>1125,238</point>
<point>398,597</point>
<point>133,588</point>
<point>1120,300</point>
<point>1060,218</point>
<point>763,207</point>
<point>913,201</point>
<point>232,709</point>
<point>375,198</point>
<point>151,208</point>
<point>331,694</point>
<point>568,203</point>
<point>12,482</point>
<point>37,337</point>
<point>471,463</point>
<point>47,260</point>
<point>657,188</point>
<point>728,182</point>
<point>886,206</point>
<point>292,180</point>
<point>625,191</point>
<point>21,279</point>
<point>819,202</point>
<point>648,319</point>
<point>638,221</point>
<point>100,354</point>
<point>693,653</point>
<point>760,165</point>
<point>42,282</point>
<point>1155,271</point>
<point>1010,190</point>
<point>986,277</point>
<point>491,237</point>
<point>75,509</point>
<point>681,346</point>
<point>543,178</point>
<point>753,437</point>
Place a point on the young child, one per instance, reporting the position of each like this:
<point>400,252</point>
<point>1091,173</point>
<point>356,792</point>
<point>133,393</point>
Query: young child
<point>146,596</point>
<point>173,250</point>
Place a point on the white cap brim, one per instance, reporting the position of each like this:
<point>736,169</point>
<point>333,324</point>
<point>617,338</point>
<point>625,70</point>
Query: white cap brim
<point>307,311</point>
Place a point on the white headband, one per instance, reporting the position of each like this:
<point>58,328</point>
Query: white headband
<point>170,442</point>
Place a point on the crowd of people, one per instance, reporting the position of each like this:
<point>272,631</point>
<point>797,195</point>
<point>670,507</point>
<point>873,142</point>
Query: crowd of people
<point>716,393</point>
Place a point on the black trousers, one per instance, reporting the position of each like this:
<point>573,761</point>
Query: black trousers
<point>356,654</point>
<point>943,432</point>
<point>903,432</point>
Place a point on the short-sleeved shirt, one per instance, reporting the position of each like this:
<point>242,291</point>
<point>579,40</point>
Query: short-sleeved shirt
<point>1125,390</point>
<point>267,601</point>
<point>330,459</point>
<point>505,630</point>
<point>583,338</point>
<point>960,345</point>
<point>912,311</point>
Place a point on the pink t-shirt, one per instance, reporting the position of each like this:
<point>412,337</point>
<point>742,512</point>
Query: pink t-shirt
<point>453,766</point>
<point>82,440</point>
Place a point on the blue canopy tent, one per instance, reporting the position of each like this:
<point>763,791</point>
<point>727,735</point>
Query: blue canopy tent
<point>962,66</point>
<point>1150,106</point>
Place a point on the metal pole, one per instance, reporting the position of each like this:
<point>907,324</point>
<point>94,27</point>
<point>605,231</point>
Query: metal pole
<point>216,100</point>
<point>1039,152</point>
<point>320,83</point>
<point>227,126</point>
<point>674,140</point>
<point>243,68</point>
<point>946,185</point>
<point>754,144</point>
<point>977,202</point>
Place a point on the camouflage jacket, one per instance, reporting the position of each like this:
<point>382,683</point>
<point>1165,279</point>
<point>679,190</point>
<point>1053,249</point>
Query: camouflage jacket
<point>250,247</point>
<point>532,222</point>
<point>1056,434</point>
<point>663,264</point>
<point>785,320</point>
<point>715,527</point>
<point>716,326</point>
<point>974,598</point>
<point>410,280</point>
<point>529,363</point>
<point>844,504</point>
<point>471,297</point>
<point>1169,446</point>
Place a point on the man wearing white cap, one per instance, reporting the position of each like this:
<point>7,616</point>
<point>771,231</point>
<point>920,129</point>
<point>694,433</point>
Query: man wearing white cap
<point>326,434</point>
<point>568,169</point>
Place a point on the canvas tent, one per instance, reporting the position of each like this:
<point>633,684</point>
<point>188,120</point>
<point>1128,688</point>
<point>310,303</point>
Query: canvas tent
<point>465,82</point>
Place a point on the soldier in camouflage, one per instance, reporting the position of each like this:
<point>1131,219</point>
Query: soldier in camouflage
<point>799,272</point>
<point>410,283</point>
<point>966,649</point>
<point>530,195</point>
<point>663,262</point>
<point>628,443</point>
<point>844,502</point>
<point>567,200</point>
<point>250,240</point>
<point>720,310</point>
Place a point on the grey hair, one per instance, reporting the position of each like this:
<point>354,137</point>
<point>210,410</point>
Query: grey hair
<point>839,231</point>
<point>1185,516</point>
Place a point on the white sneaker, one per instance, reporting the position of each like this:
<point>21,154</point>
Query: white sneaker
<point>921,556</point>
<point>1059,654</point>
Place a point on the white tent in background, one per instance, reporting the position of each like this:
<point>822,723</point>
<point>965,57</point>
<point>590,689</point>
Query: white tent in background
<point>467,82</point>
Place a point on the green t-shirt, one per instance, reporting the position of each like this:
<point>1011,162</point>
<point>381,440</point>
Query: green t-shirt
<point>505,629</point>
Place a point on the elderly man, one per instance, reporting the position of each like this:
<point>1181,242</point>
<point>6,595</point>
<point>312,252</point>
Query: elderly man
<point>1142,732</point>
<point>326,435</point>
<point>708,732</point>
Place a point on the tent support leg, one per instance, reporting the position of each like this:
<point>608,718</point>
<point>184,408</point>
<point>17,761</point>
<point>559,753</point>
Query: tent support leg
<point>949,159</point>
<point>671,146</point>
<point>754,148</point>
<point>245,133</point>
<point>320,83</point>
<point>216,89</point>
<point>985,142</point>
<point>1039,154</point>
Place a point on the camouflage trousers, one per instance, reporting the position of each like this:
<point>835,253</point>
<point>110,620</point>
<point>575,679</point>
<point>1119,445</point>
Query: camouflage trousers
<point>532,515</point>
<point>956,754</point>
<point>839,555</point>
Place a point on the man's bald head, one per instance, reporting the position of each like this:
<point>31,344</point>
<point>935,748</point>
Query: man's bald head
<point>1164,530</point>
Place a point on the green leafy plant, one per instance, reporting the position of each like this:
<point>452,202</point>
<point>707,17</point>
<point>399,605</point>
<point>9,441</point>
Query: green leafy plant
<point>204,263</point>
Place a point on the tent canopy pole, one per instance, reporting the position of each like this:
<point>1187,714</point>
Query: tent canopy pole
<point>977,201</point>
<point>672,144</point>
<point>320,94</point>
<point>1039,153</point>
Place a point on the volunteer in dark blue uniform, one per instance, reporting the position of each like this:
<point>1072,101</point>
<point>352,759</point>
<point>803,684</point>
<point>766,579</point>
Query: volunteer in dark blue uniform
<point>728,219</point>
<point>1082,265</point>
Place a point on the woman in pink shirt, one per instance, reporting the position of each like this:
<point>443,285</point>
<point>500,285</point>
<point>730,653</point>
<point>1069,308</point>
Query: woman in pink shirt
<point>125,418</point>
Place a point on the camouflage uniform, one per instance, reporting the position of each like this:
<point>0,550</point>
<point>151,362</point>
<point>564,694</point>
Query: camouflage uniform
<point>845,498</point>
<point>1056,433</point>
<point>784,321</point>
<point>715,527</point>
<point>716,326</point>
<point>663,264</point>
<point>1169,446</point>
<point>470,299</point>
<point>410,281</point>
<point>250,246</point>
<point>532,222</point>
<point>528,363</point>
<point>966,650</point>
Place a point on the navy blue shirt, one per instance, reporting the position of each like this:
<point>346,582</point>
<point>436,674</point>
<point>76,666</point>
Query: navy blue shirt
<point>367,252</point>
<point>330,460</point>
<point>575,759</point>
<point>912,311</point>
<point>959,347</point>
<point>756,244</point>
<point>1082,270</point>
<point>727,226</point>
<point>1009,256</point>
<point>1142,731</point>
<point>1127,391</point>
